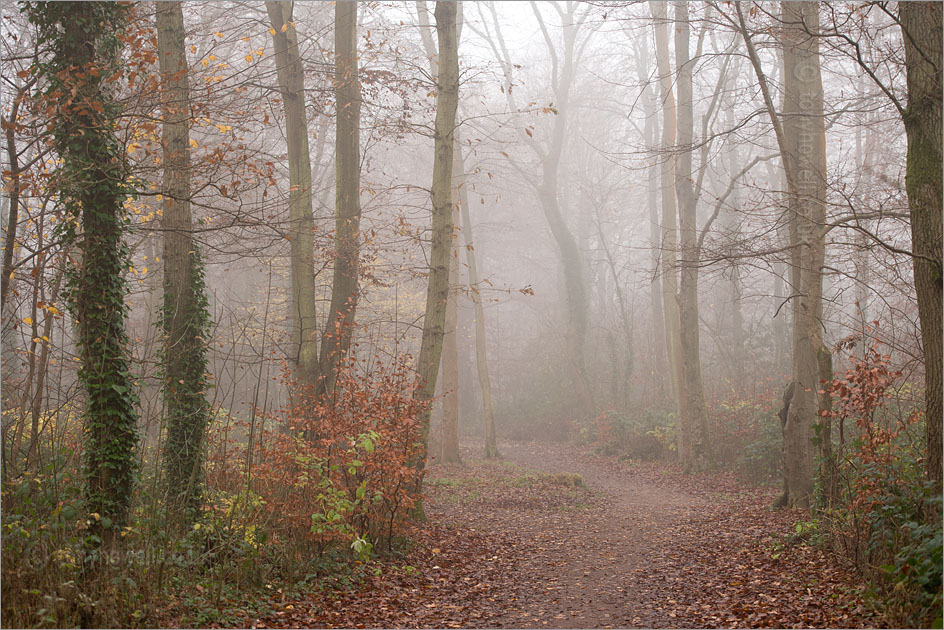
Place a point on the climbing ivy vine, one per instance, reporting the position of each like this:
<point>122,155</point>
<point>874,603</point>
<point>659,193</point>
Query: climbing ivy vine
<point>78,72</point>
<point>184,370</point>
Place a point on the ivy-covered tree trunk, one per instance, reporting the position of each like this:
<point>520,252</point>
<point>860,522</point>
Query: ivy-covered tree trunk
<point>92,184</point>
<point>347,236</point>
<point>447,100</point>
<point>185,317</point>
<point>921,25</point>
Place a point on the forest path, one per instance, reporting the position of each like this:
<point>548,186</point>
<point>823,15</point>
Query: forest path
<point>585,562</point>
<point>515,543</point>
<point>643,545</point>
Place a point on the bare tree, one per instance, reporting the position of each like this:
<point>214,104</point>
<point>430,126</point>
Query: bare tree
<point>344,290</point>
<point>291,80</point>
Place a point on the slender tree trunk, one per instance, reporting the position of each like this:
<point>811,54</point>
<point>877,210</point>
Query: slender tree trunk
<point>651,133</point>
<point>805,135</point>
<point>669,245</point>
<point>449,449</point>
<point>481,356</point>
<point>291,80</point>
<point>12,190</point>
<point>183,319</point>
<point>921,27</point>
<point>39,396</point>
<point>548,193</point>
<point>339,328</point>
<point>732,232</point>
<point>802,141</point>
<point>450,354</point>
<point>693,446</point>
<point>437,293</point>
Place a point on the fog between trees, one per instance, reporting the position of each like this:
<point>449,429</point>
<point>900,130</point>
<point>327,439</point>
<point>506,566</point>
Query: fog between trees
<point>242,229</point>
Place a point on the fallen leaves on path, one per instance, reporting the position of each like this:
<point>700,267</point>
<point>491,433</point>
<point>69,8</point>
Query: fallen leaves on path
<point>526,545</point>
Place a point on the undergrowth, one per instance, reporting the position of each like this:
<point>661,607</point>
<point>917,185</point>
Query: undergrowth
<point>303,497</point>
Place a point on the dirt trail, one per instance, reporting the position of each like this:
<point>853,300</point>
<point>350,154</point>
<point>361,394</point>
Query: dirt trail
<point>516,543</point>
<point>594,564</point>
<point>589,566</point>
<point>641,546</point>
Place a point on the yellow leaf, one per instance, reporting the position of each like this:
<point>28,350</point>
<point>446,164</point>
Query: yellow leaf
<point>272,31</point>
<point>143,271</point>
<point>248,58</point>
<point>28,320</point>
<point>53,310</point>
<point>193,143</point>
<point>218,34</point>
<point>193,49</point>
<point>284,27</point>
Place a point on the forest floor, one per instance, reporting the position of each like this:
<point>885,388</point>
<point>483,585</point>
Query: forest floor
<point>521,542</point>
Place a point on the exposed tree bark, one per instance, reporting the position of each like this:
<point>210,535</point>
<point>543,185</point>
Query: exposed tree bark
<point>802,141</point>
<point>184,359</point>
<point>651,134</point>
<point>481,356</point>
<point>669,244</point>
<point>548,193</point>
<point>339,327</point>
<point>291,80</point>
<point>449,450</point>
<point>450,355</point>
<point>437,293</point>
<point>13,190</point>
<point>693,436</point>
<point>921,26</point>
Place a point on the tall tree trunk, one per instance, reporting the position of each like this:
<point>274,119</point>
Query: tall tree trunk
<point>805,135</point>
<point>291,79</point>
<point>669,245</point>
<point>12,189</point>
<point>732,232</point>
<point>481,356</point>
<point>437,293</point>
<point>184,317</point>
<point>549,196</point>
<point>339,327</point>
<point>651,134</point>
<point>449,450</point>
<point>92,186</point>
<point>693,439</point>
<point>450,354</point>
<point>921,27</point>
<point>802,141</point>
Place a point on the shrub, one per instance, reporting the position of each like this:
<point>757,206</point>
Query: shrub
<point>329,473</point>
<point>647,436</point>
<point>888,515</point>
<point>745,434</point>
